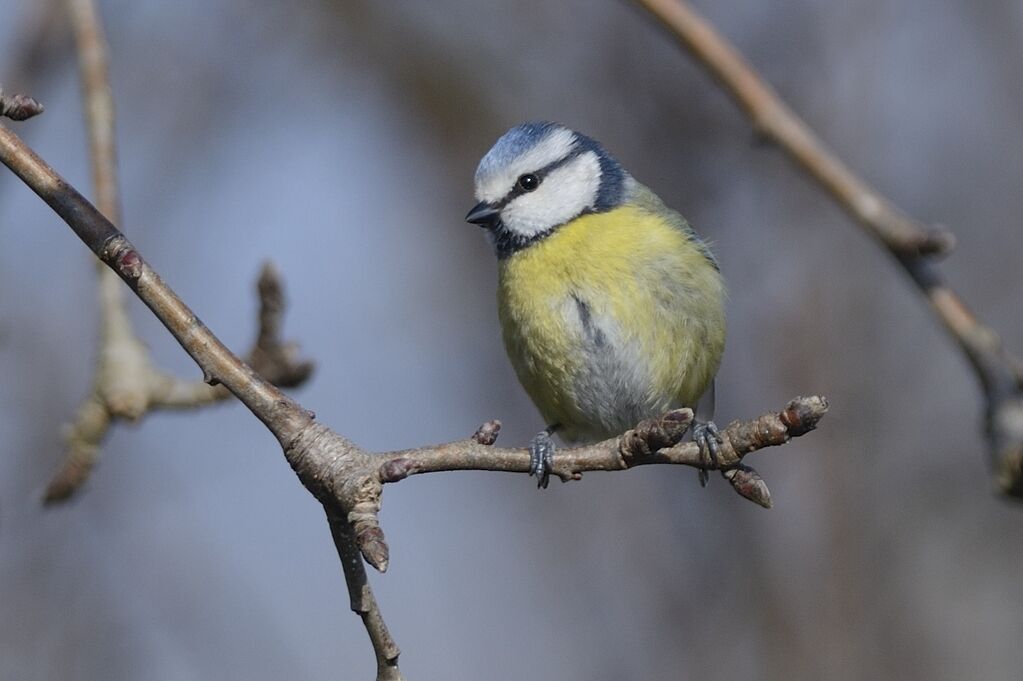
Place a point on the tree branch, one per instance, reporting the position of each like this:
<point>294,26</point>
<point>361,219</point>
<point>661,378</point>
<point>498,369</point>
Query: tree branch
<point>654,441</point>
<point>335,471</point>
<point>999,373</point>
<point>344,478</point>
<point>126,384</point>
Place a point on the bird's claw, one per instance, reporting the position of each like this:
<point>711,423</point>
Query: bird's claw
<point>541,458</point>
<point>708,437</point>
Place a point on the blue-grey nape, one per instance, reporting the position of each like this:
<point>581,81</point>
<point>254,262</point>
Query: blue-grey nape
<point>612,175</point>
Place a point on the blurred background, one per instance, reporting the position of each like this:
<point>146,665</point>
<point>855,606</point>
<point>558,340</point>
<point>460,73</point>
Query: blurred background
<point>339,139</point>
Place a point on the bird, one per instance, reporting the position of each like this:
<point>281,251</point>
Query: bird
<point>612,308</point>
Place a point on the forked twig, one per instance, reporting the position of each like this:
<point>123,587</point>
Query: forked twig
<point>126,384</point>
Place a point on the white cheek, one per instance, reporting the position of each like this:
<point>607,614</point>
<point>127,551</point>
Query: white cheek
<point>564,193</point>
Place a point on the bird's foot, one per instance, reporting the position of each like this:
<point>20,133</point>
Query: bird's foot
<point>708,437</point>
<point>541,458</point>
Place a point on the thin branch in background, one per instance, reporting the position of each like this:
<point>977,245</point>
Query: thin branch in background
<point>39,43</point>
<point>915,246</point>
<point>126,384</point>
<point>275,360</point>
<point>347,480</point>
<point>335,471</point>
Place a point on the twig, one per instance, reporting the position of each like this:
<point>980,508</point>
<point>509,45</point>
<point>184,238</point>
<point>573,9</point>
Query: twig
<point>776,122</point>
<point>123,363</point>
<point>655,441</point>
<point>363,603</point>
<point>346,479</point>
<point>1000,374</point>
<point>341,476</point>
<point>127,385</point>
<point>99,105</point>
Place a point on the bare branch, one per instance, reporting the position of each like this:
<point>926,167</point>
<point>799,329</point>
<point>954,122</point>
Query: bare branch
<point>654,441</point>
<point>1000,374</point>
<point>90,427</point>
<point>271,357</point>
<point>127,385</point>
<point>341,476</point>
<point>777,123</point>
<point>99,105</point>
<point>124,363</point>
<point>345,479</point>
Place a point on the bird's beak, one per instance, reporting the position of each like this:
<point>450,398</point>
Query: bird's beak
<point>484,215</point>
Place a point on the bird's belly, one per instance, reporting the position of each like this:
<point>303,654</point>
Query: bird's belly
<point>614,318</point>
<point>611,392</point>
<point>587,376</point>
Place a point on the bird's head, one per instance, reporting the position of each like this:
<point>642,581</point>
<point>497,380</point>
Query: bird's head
<point>537,177</point>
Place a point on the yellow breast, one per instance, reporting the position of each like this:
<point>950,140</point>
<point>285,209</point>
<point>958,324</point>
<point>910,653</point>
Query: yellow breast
<point>614,317</point>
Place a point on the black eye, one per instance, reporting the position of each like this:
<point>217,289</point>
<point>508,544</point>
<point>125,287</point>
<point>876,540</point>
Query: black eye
<point>528,182</point>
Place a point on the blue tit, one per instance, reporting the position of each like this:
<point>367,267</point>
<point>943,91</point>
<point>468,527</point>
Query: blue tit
<point>611,306</point>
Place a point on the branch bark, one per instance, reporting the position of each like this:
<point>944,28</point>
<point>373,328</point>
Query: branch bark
<point>914,245</point>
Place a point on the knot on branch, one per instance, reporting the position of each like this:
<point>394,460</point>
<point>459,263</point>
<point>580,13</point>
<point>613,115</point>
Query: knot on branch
<point>122,258</point>
<point>486,434</point>
<point>903,235</point>
<point>369,536</point>
<point>360,493</point>
<point>936,241</point>
<point>346,480</point>
<point>18,107</point>
<point>394,470</point>
<point>802,414</point>
<point>748,483</point>
<point>655,434</point>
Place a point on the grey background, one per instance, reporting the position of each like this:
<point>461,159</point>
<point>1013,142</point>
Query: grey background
<point>339,139</point>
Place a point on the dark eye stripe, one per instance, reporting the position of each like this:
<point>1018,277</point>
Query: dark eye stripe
<point>517,191</point>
